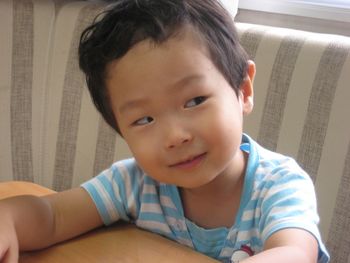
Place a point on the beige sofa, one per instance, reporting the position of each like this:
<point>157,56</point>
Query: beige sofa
<point>51,134</point>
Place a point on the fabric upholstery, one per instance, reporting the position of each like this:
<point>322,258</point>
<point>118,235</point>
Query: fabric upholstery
<point>51,133</point>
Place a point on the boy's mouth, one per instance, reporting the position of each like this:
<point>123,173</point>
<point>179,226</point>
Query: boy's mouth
<point>189,162</point>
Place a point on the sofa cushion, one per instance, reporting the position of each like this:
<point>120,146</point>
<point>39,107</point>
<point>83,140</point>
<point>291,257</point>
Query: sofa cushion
<point>51,133</point>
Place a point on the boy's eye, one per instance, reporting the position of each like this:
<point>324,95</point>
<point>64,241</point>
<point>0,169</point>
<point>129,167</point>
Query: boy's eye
<point>195,101</point>
<point>143,121</point>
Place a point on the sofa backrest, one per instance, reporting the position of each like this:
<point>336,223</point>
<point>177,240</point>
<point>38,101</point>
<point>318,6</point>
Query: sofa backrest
<point>51,133</point>
<point>302,94</point>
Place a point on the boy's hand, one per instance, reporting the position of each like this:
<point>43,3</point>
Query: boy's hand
<point>8,241</point>
<point>288,245</point>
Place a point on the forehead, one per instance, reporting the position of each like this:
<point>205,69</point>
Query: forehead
<point>183,41</point>
<point>147,63</point>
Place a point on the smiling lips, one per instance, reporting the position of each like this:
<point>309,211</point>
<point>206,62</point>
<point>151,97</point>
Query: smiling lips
<point>189,163</point>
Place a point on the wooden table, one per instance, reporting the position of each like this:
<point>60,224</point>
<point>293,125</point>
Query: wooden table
<point>119,243</point>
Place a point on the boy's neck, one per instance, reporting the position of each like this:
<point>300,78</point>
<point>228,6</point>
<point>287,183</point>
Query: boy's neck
<point>224,184</point>
<point>221,197</point>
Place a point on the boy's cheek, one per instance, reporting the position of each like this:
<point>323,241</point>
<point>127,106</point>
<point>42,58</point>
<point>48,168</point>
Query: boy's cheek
<point>141,146</point>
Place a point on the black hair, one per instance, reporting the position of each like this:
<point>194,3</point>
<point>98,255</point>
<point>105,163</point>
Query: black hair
<point>127,22</point>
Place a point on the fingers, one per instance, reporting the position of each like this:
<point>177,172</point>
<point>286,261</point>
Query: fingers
<point>9,255</point>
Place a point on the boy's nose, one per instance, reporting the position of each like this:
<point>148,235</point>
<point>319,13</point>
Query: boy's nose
<point>177,137</point>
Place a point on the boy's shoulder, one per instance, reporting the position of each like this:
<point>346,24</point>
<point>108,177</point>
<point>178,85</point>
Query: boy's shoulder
<point>263,154</point>
<point>129,168</point>
<point>270,165</point>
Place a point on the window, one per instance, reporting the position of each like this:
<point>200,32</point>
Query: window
<point>337,10</point>
<point>231,6</point>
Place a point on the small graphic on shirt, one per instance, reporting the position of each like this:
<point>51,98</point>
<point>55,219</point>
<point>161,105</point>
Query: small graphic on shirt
<point>244,252</point>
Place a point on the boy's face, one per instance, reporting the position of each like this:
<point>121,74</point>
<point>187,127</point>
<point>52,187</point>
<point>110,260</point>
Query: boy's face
<point>178,114</point>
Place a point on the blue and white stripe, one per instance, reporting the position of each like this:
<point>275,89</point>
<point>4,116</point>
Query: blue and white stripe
<point>277,194</point>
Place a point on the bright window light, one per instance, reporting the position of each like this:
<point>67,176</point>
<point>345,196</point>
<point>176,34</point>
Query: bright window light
<point>231,6</point>
<point>337,10</point>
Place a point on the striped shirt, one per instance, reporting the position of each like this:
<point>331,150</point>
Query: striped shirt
<point>277,194</point>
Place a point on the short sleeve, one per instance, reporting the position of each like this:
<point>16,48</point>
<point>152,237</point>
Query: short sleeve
<point>289,201</point>
<point>115,191</point>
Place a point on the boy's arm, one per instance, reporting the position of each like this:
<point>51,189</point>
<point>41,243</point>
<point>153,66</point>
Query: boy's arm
<point>38,222</point>
<point>288,245</point>
<point>74,213</point>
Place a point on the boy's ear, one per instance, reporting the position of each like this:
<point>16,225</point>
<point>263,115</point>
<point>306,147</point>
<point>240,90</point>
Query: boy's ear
<point>246,89</point>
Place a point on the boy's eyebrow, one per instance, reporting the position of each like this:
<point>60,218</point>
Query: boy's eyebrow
<point>181,84</point>
<point>184,82</point>
<point>130,104</point>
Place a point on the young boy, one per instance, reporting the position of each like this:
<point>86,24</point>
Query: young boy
<point>171,77</point>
